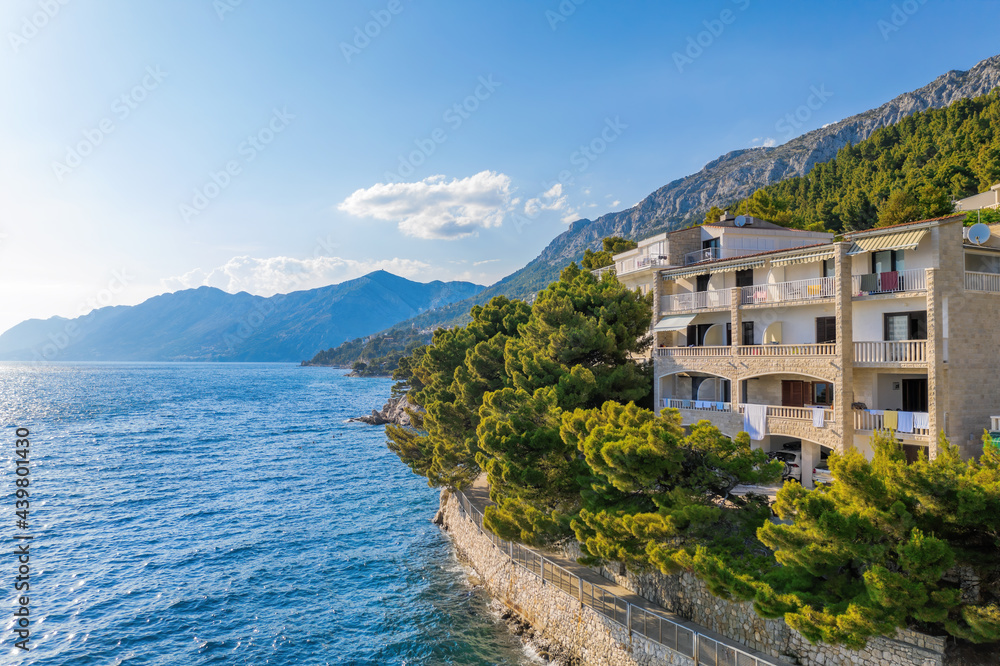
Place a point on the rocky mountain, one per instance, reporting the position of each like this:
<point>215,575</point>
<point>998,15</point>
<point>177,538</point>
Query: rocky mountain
<point>208,324</point>
<point>725,180</point>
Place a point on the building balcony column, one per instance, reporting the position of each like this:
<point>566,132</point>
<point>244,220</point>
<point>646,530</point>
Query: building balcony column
<point>844,380</point>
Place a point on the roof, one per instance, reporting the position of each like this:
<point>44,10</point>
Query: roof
<point>875,230</point>
<point>761,224</point>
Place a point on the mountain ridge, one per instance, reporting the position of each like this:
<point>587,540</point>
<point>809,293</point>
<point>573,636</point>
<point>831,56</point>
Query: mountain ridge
<point>723,180</point>
<point>208,324</point>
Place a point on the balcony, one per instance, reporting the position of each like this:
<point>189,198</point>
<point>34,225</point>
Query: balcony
<point>789,292</point>
<point>702,405</point>
<point>627,266</point>
<point>795,413</point>
<point>713,253</point>
<point>865,421</point>
<point>989,282</point>
<point>889,283</point>
<point>873,354</point>
<point>688,352</point>
<point>773,351</point>
<point>697,300</point>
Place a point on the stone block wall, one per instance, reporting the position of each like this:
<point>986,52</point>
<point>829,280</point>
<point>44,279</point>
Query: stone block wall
<point>589,637</point>
<point>688,597</point>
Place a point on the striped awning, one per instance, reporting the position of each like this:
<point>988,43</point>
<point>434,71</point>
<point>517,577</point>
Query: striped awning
<point>702,270</point>
<point>802,258</point>
<point>901,240</point>
<point>674,323</point>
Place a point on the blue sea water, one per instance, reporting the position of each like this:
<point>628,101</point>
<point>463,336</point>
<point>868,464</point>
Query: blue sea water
<point>226,514</point>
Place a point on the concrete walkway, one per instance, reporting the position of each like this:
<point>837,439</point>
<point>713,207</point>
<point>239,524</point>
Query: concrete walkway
<point>478,494</point>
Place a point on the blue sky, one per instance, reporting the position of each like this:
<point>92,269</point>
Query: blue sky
<point>266,146</point>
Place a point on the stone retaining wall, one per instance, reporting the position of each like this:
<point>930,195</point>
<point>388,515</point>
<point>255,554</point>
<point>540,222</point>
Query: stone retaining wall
<point>688,597</point>
<point>589,637</point>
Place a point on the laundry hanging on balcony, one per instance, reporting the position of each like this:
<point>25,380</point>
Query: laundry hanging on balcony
<point>891,419</point>
<point>921,421</point>
<point>755,421</point>
<point>905,422</point>
<point>819,414</point>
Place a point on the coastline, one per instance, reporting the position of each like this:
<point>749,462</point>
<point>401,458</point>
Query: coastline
<point>612,634</point>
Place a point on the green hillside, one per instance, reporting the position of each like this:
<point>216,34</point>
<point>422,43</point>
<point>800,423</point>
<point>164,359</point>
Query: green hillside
<point>908,171</point>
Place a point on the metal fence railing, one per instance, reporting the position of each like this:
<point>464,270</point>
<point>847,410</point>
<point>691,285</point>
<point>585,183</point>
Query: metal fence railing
<point>653,626</point>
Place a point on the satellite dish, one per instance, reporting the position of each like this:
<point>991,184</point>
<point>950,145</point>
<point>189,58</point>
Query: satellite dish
<point>979,233</point>
<point>740,221</point>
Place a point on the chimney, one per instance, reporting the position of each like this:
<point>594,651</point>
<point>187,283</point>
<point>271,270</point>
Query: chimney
<point>726,217</point>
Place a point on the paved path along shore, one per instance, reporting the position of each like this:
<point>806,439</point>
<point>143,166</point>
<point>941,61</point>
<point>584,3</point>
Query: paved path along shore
<point>478,496</point>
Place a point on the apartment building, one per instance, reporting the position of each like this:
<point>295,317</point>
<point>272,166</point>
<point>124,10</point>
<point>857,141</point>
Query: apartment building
<point>987,199</point>
<point>728,238</point>
<point>812,345</point>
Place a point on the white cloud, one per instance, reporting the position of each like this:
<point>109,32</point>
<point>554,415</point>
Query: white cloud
<point>435,208</point>
<point>553,199</point>
<point>280,275</point>
<point>764,141</point>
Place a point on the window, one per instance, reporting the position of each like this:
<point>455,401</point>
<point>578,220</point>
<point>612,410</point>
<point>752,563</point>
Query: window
<point>826,330</point>
<point>829,267</point>
<point>887,260</point>
<point>905,326</point>
<point>744,278</point>
<point>748,333</point>
<point>822,393</point>
<point>982,263</point>
<point>702,282</point>
<point>793,393</point>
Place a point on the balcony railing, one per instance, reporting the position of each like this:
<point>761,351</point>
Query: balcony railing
<point>671,352</point>
<point>797,413</point>
<point>789,292</point>
<point>901,351</point>
<point>638,263</point>
<point>770,351</point>
<point>697,300</point>
<point>712,253</point>
<point>703,405</point>
<point>866,421</point>
<point>982,282</point>
<point>889,283</point>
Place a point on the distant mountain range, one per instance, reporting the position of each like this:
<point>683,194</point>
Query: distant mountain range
<point>208,324</point>
<point>723,181</point>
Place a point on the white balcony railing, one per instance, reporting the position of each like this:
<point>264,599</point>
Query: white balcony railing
<point>789,292</point>
<point>671,352</point>
<point>866,421</point>
<point>889,283</point>
<point>982,282</point>
<point>797,413</point>
<point>627,266</point>
<point>902,351</point>
<point>697,300</point>
<point>770,351</point>
<point>703,405</point>
<point>712,253</point>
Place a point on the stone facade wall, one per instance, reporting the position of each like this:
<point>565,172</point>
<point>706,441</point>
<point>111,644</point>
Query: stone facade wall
<point>589,637</point>
<point>688,597</point>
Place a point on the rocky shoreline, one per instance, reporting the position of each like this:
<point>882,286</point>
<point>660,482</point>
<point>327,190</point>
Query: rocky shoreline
<point>394,411</point>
